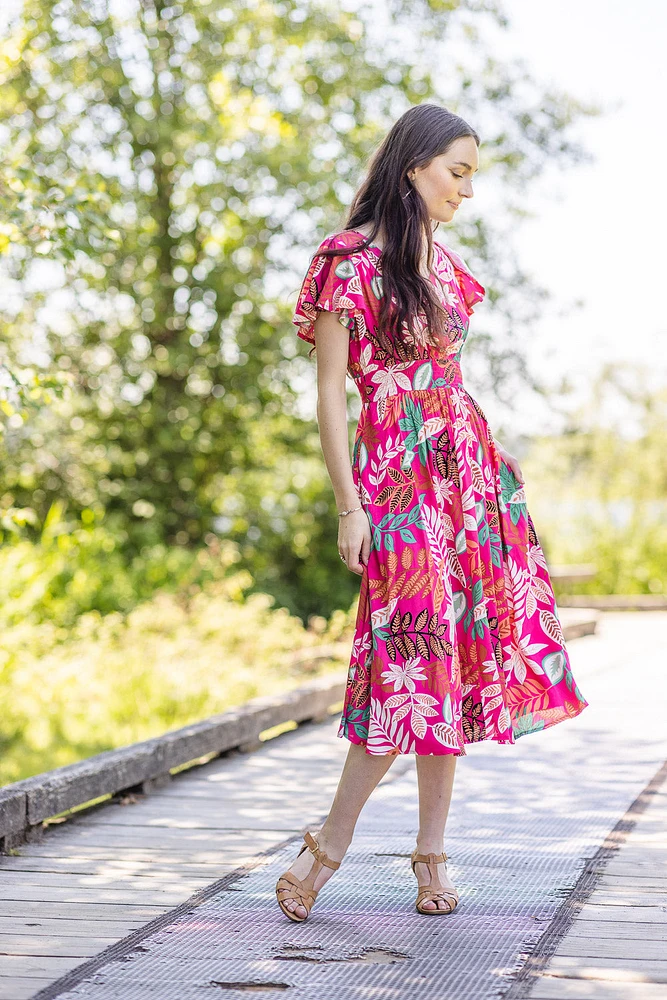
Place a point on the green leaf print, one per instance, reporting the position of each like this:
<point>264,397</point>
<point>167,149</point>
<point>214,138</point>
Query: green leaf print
<point>423,376</point>
<point>412,422</point>
<point>394,524</point>
<point>509,485</point>
<point>460,605</point>
<point>525,723</point>
<point>345,269</point>
<point>553,664</point>
<point>356,719</point>
<point>447,709</point>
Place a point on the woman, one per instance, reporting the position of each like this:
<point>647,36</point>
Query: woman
<point>457,639</point>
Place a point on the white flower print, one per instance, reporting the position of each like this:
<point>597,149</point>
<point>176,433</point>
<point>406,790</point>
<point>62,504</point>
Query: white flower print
<point>404,675</point>
<point>443,489</point>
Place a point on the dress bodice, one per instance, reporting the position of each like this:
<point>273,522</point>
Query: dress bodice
<point>352,286</point>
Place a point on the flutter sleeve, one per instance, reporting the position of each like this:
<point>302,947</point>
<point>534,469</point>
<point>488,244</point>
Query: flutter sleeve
<point>471,289</point>
<point>332,284</point>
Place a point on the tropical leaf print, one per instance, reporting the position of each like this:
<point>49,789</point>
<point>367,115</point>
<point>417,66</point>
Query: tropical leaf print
<point>446,734</point>
<point>512,494</point>
<point>551,627</point>
<point>385,734</point>
<point>457,637</point>
<point>424,638</point>
<point>400,495</point>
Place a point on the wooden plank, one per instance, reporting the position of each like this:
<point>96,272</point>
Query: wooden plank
<point>637,868</point>
<point>54,880</point>
<point>613,881</point>
<point>84,946</point>
<point>70,927</point>
<point>581,989</point>
<point>40,894</point>
<point>216,818</point>
<point>114,868</point>
<point>140,837</point>
<point>628,897</point>
<point>612,928</point>
<point>82,911</point>
<point>594,948</point>
<point>630,970</point>
<point>156,855</point>
<point>14,988</point>
<point>36,966</point>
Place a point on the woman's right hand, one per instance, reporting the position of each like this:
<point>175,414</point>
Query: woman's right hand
<point>354,540</point>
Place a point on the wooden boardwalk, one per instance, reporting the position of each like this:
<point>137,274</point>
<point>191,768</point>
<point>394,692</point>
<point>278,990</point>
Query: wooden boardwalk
<point>616,948</point>
<point>104,874</point>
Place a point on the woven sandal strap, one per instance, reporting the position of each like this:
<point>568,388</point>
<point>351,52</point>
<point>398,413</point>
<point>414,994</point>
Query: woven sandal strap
<point>452,902</point>
<point>319,854</point>
<point>424,892</point>
<point>296,890</point>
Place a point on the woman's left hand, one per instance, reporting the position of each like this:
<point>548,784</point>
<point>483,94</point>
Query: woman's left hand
<point>510,460</point>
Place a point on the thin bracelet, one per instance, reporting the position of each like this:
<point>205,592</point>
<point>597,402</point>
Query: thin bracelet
<point>343,513</point>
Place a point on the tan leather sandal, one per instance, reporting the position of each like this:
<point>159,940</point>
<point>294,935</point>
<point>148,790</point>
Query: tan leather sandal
<point>435,890</point>
<point>291,887</point>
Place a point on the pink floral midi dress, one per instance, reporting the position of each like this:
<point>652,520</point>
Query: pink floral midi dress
<point>457,637</point>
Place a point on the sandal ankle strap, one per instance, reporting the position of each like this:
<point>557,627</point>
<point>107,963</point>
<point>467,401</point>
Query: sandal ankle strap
<point>319,854</point>
<point>427,858</point>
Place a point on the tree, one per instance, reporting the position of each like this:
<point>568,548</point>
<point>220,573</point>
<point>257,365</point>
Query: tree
<point>169,161</point>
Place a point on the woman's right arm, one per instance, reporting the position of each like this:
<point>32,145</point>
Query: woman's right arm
<point>332,342</point>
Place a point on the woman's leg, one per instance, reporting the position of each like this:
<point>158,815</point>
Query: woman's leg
<point>361,773</point>
<point>435,778</point>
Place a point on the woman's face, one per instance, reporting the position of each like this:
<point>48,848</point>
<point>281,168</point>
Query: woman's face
<point>447,179</point>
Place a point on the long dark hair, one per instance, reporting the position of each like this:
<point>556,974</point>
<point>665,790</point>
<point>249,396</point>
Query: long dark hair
<point>389,201</point>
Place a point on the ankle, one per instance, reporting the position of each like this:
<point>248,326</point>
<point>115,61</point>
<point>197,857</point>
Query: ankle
<point>429,846</point>
<point>334,843</point>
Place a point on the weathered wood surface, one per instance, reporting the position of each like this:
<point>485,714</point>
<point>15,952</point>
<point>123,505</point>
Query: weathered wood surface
<point>572,989</point>
<point>618,943</point>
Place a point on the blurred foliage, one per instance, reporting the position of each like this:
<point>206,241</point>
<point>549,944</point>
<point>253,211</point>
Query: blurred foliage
<point>81,566</point>
<point>598,492</point>
<point>113,680</point>
<point>165,171</point>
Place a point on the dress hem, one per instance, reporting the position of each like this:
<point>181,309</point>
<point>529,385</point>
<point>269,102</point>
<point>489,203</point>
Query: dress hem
<point>514,736</point>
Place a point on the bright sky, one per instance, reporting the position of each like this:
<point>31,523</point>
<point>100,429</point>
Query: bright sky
<point>603,240</point>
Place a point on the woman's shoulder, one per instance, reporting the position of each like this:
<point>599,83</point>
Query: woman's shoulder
<point>347,241</point>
